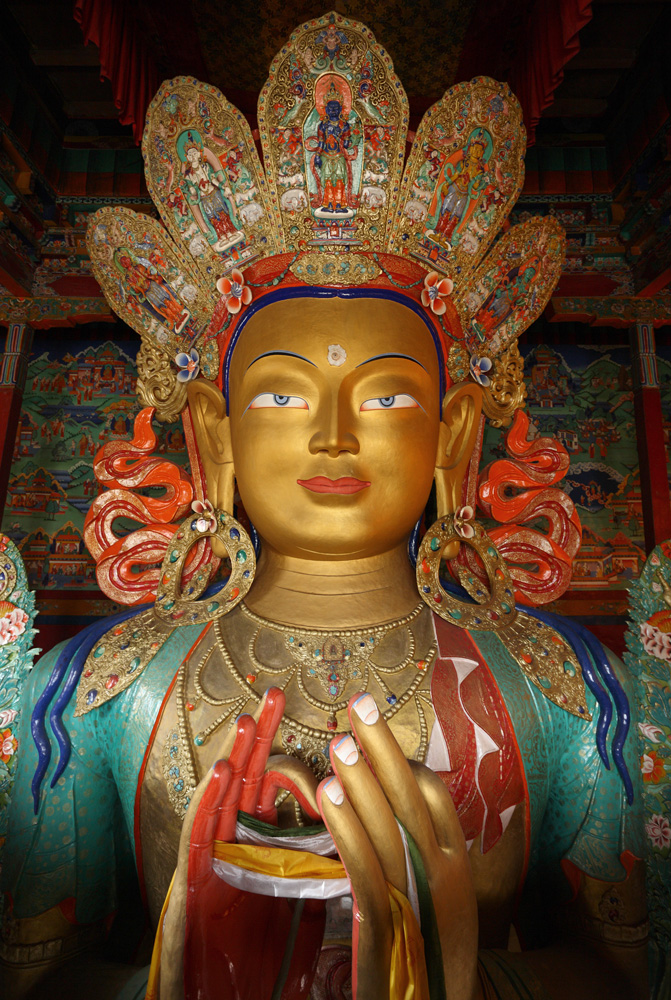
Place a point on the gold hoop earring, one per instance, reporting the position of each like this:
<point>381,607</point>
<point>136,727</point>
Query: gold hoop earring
<point>490,613</point>
<point>176,608</point>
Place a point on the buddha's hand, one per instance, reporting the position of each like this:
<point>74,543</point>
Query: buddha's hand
<point>218,941</point>
<point>374,787</point>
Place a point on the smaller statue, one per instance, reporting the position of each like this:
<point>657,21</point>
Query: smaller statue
<point>465,178</point>
<point>333,150</point>
<point>208,192</point>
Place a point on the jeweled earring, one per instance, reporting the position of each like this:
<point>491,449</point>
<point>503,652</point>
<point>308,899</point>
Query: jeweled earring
<point>492,611</point>
<point>179,608</point>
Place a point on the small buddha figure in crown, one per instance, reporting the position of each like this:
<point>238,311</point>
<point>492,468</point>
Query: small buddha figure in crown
<point>333,150</point>
<point>208,192</point>
<point>358,761</point>
<point>465,177</point>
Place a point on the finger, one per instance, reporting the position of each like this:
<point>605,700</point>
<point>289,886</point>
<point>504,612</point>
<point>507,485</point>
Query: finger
<point>441,809</point>
<point>370,804</point>
<point>223,751</point>
<point>457,923</point>
<point>372,929</point>
<point>266,728</point>
<point>392,770</point>
<point>245,728</point>
<point>449,878</point>
<point>172,951</point>
<point>205,824</point>
<point>293,776</point>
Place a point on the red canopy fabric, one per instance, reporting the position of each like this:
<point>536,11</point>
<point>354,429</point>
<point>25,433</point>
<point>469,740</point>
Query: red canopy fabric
<point>124,57</point>
<point>527,45</point>
<point>550,39</point>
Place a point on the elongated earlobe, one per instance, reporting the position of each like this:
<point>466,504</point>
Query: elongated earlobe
<point>462,407</point>
<point>212,429</point>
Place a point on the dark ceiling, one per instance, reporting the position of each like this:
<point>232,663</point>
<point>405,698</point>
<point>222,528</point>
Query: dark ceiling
<point>432,43</point>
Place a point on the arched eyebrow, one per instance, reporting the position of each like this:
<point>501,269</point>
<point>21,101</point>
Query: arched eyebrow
<point>286,354</point>
<point>380,357</point>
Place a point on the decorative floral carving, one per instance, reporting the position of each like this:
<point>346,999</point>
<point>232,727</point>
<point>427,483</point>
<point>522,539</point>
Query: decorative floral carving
<point>234,291</point>
<point>157,384</point>
<point>436,288</point>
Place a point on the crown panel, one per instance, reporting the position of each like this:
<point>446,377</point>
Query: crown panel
<point>147,280</point>
<point>206,179</point>
<point>333,119</point>
<point>463,176</point>
<point>512,286</point>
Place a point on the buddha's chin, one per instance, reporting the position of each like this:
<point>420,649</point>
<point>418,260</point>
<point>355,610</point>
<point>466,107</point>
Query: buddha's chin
<point>330,535</point>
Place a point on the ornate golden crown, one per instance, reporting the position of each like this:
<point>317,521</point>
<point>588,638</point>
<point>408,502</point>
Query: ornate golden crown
<point>333,208</point>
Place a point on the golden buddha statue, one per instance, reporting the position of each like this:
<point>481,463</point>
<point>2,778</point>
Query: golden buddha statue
<point>347,769</point>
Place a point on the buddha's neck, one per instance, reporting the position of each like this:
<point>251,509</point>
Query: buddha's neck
<point>333,593</point>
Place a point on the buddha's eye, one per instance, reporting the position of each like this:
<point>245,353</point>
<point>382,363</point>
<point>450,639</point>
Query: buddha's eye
<point>401,401</point>
<point>265,400</point>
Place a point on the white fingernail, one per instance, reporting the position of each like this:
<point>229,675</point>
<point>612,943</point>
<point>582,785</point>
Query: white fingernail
<point>366,709</point>
<point>333,789</point>
<point>346,751</point>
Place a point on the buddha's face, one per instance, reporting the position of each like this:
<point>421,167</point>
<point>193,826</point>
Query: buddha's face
<point>334,417</point>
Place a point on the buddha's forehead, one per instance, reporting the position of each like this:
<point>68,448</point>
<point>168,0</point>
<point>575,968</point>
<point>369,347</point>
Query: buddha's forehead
<point>312,327</point>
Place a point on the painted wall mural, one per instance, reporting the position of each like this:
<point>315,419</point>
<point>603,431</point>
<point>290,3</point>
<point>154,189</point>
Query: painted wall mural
<point>584,396</point>
<point>74,401</point>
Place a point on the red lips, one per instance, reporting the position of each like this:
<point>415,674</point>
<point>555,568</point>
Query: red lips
<point>320,484</point>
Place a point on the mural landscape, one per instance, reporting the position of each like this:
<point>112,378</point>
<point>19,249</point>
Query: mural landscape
<point>584,397</point>
<point>73,403</point>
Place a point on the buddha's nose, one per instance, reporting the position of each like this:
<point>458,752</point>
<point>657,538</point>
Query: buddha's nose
<point>333,431</point>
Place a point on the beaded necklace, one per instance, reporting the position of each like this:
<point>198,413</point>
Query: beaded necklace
<point>323,668</point>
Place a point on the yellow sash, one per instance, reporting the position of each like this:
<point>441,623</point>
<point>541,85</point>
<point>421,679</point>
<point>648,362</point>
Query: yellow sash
<point>407,973</point>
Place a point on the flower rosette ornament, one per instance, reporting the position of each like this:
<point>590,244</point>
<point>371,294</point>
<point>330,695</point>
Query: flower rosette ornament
<point>234,291</point>
<point>659,832</point>
<point>650,732</point>
<point>207,519</point>
<point>12,623</point>
<point>652,768</point>
<point>8,745</point>
<point>478,368</point>
<point>656,642</point>
<point>188,364</point>
<point>463,522</point>
<point>436,288</point>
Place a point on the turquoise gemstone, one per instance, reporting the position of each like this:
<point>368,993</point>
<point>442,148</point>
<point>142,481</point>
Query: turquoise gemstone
<point>455,613</point>
<point>544,682</point>
<point>435,544</point>
<point>505,607</point>
<point>199,741</point>
<point>134,664</point>
<point>168,605</point>
<point>174,556</point>
<point>98,651</point>
<point>241,556</point>
<point>569,668</point>
<point>491,551</point>
<point>212,607</point>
